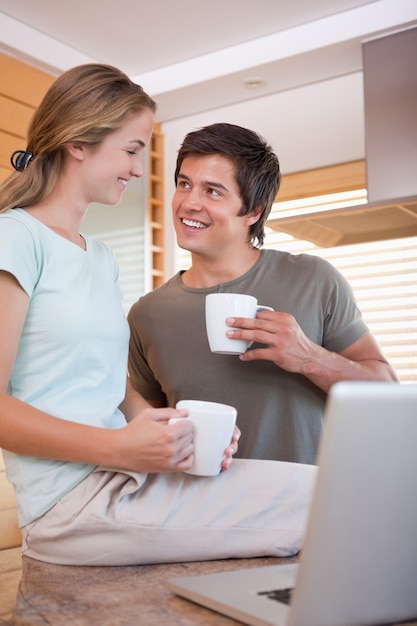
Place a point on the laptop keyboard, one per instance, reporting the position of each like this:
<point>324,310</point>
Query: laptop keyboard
<point>279,595</point>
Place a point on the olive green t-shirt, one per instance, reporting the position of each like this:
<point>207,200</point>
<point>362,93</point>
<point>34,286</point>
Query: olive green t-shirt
<point>279,413</point>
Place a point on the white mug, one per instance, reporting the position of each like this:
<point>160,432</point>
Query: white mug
<point>213,424</point>
<point>219,306</point>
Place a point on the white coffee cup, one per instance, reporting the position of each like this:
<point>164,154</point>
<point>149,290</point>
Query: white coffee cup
<point>220,306</point>
<point>213,424</point>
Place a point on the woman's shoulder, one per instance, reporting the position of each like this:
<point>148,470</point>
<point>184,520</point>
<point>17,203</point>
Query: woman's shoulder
<point>16,216</point>
<point>16,223</point>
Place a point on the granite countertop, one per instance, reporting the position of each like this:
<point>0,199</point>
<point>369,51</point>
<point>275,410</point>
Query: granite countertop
<point>61,595</point>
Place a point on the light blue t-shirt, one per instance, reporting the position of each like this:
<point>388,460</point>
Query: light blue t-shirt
<point>72,356</point>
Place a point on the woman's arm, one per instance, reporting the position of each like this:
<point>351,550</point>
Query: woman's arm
<point>134,403</point>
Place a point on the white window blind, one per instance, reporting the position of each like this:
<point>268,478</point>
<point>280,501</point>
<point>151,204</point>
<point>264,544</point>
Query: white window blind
<point>129,249</point>
<point>383,275</point>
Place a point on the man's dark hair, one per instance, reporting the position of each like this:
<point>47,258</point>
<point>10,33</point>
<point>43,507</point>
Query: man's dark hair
<point>256,165</point>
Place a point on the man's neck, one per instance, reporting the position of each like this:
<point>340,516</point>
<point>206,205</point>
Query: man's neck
<point>205,273</point>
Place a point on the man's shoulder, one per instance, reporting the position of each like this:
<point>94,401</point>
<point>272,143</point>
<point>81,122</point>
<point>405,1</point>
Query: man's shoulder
<point>299,268</point>
<point>276,258</point>
<point>285,258</point>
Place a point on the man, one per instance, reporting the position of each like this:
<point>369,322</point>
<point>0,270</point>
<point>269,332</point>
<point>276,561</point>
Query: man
<point>227,179</point>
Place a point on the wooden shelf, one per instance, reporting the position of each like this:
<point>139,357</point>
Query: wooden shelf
<point>156,207</point>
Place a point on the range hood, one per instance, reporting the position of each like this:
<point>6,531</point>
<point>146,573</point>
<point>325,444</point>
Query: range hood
<point>390,95</point>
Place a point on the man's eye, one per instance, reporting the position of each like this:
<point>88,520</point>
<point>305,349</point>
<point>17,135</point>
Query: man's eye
<point>183,184</point>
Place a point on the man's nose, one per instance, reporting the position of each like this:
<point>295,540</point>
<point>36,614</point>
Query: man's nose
<point>194,200</point>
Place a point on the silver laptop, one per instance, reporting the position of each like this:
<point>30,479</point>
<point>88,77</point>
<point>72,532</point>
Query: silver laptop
<point>358,565</point>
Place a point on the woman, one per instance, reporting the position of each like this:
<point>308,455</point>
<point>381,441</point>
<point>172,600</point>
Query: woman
<point>94,467</point>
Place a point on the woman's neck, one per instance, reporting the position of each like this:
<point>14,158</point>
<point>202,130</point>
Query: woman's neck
<point>64,222</point>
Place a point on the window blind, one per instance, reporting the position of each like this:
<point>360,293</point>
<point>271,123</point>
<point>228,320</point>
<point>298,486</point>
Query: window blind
<point>128,246</point>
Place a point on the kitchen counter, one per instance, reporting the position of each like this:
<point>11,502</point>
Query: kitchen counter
<point>61,595</point>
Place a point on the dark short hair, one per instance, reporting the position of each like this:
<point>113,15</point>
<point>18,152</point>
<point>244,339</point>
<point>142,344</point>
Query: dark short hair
<point>256,166</point>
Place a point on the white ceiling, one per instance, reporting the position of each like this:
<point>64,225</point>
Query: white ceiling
<point>140,37</point>
<point>195,58</point>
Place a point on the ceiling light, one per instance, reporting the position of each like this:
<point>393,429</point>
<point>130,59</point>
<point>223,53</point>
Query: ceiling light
<point>253,83</point>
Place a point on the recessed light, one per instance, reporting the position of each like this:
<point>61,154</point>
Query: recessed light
<point>253,83</point>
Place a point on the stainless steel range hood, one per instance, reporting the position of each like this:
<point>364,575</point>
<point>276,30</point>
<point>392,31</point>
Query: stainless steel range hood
<point>390,94</point>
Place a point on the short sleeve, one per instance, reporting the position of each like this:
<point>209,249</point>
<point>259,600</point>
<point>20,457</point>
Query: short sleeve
<point>343,322</point>
<point>19,252</point>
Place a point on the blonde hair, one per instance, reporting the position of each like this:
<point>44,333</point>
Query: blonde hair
<point>82,106</point>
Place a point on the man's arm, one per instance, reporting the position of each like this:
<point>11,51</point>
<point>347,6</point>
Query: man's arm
<point>137,366</point>
<point>362,360</point>
<point>289,348</point>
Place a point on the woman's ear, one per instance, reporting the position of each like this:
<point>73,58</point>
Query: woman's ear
<point>76,151</point>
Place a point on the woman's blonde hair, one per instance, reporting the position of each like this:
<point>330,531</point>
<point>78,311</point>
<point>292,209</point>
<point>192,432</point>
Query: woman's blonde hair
<point>82,106</point>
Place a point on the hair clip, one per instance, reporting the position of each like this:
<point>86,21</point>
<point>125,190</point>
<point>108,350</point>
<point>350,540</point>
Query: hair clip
<point>20,159</point>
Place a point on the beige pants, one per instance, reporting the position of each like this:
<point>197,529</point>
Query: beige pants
<point>256,508</point>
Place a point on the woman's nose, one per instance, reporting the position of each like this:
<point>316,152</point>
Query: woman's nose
<point>138,168</point>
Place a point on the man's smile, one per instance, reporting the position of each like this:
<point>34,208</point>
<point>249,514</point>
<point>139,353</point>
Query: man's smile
<point>193,223</point>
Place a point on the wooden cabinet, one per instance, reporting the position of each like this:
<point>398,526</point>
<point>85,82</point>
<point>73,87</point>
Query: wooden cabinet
<point>10,535</point>
<point>21,90</point>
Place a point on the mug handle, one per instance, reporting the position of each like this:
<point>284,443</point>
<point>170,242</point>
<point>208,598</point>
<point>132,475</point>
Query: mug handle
<point>260,307</point>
